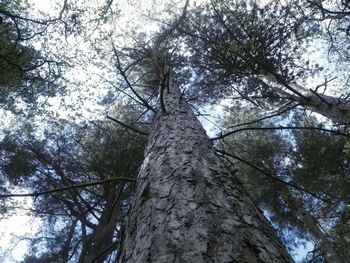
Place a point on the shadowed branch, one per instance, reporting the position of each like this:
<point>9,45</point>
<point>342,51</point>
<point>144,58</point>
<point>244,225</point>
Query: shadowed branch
<point>81,185</point>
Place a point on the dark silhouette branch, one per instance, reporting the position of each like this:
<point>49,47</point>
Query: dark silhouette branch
<point>279,128</point>
<point>15,16</point>
<point>105,250</point>
<point>324,84</point>
<point>127,126</point>
<point>332,14</point>
<point>161,99</point>
<point>81,185</point>
<point>122,73</point>
<point>264,118</point>
<point>272,176</point>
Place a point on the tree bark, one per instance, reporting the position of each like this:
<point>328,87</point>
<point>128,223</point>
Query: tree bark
<point>188,207</point>
<point>333,108</point>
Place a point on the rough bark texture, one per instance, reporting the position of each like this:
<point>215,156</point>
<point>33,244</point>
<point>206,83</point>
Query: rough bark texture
<point>310,224</point>
<point>188,207</point>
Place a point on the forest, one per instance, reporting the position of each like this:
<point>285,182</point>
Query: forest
<point>174,131</point>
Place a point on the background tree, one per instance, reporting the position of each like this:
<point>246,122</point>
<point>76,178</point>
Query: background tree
<point>262,48</point>
<point>94,167</point>
<point>26,71</point>
<point>287,160</point>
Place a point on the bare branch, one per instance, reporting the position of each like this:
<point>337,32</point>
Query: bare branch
<point>111,246</point>
<point>122,72</point>
<point>280,128</point>
<point>324,84</point>
<point>81,185</point>
<point>127,126</point>
<point>274,177</point>
<point>264,118</point>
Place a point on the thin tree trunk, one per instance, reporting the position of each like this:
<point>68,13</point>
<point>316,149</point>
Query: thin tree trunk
<point>67,244</point>
<point>102,237</point>
<point>310,224</point>
<point>188,207</point>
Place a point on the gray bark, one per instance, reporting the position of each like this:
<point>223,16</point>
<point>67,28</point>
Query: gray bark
<point>333,108</point>
<point>188,207</point>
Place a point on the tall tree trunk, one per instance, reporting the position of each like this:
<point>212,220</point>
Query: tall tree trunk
<point>309,223</point>
<point>188,207</point>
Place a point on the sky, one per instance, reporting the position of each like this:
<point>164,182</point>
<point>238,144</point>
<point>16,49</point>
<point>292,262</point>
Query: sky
<point>15,226</point>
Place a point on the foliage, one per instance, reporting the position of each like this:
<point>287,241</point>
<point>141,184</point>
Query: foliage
<point>94,152</point>
<point>295,157</point>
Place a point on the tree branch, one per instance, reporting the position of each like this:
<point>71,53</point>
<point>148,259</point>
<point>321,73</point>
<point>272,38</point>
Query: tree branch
<point>105,250</point>
<point>273,177</point>
<point>122,72</point>
<point>279,128</point>
<point>266,117</point>
<point>81,185</point>
<point>127,126</point>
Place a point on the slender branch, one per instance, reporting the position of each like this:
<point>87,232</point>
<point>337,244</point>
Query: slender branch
<point>264,118</point>
<point>338,14</point>
<point>324,84</point>
<point>105,250</point>
<point>161,95</point>
<point>127,126</point>
<point>183,93</point>
<point>199,114</point>
<point>272,176</point>
<point>119,89</point>
<point>122,72</point>
<point>13,16</point>
<point>279,128</point>
<point>81,185</point>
